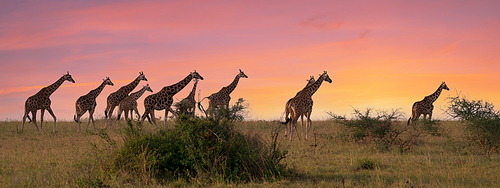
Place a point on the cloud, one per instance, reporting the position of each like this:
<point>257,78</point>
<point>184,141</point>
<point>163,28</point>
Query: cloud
<point>323,22</point>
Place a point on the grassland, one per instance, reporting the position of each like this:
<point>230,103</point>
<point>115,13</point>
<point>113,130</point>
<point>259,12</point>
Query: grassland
<point>32,159</point>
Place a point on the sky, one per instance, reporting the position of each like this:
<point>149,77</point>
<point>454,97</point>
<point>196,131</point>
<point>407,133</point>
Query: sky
<point>379,54</point>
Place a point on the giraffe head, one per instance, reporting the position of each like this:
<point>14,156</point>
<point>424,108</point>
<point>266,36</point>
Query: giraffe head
<point>444,86</point>
<point>142,77</point>
<point>242,74</point>
<point>148,88</point>
<point>310,81</point>
<point>325,77</point>
<point>195,75</point>
<point>107,81</point>
<point>68,77</point>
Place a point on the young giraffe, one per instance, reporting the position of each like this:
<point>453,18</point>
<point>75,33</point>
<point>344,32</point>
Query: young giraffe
<point>88,103</point>
<point>130,103</point>
<point>425,106</point>
<point>163,99</point>
<point>303,103</point>
<point>288,108</point>
<point>190,99</point>
<point>222,97</point>
<point>41,101</point>
<point>116,97</point>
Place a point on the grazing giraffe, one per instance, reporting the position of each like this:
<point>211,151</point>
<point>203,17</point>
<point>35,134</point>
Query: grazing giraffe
<point>190,100</point>
<point>41,101</point>
<point>288,108</point>
<point>163,99</point>
<point>425,106</point>
<point>222,97</point>
<point>116,97</point>
<point>130,103</point>
<point>303,103</point>
<point>88,103</point>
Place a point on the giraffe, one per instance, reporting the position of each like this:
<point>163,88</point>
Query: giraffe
<point>41,101</point>
<point>116,97</point>
<point>425,106</point>
<point>163,99</point>
<point>288,108</point>
<point>222,97</point>
<point>88,103</point>
<point>190,99</point>
<point>303,103</point>
<point>130,103</point>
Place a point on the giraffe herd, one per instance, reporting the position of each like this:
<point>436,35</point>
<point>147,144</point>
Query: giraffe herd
<point>297,107</point>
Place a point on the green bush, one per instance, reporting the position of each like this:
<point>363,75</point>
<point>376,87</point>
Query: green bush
<point>366,128</point>
<point>366,164</point>
<point>201,149</point>
<point>481,120</point>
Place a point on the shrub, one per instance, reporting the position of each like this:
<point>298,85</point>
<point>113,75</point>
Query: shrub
<point>203,149</point>
<point>481,120</point>
<point>365,128</point>
<point>383,130</point>
<point>366,164</point>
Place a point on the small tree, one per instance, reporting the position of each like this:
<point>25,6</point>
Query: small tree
<point>481,120</point>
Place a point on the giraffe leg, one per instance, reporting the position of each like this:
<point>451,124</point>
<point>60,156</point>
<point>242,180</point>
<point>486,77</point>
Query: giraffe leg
<point>166,117</point>
<point>33,113</point>
<point>24,120</point>
<point>91,117</point>
<point>53,116</point>
<point>77,118</point>
<point>42,111</point>
<point>308,124</point>
<point>110,115</point>
<point>430,115</point>
<point>136,112</point>
<point>153,118</point>
<point>126,115</point>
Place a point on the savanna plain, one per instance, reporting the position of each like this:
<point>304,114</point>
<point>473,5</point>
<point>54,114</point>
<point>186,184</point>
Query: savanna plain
<point>46,159</point>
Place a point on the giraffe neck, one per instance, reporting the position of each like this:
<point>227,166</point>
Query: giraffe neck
<point>434,96</point>
<point>175,88</point>
<point>311,89</point>
<point>138,94</point>
<point>53,87</point>
<point>230,88</point>
<point>94,93</point>
<point>129,87</point>
<point>193,91</point>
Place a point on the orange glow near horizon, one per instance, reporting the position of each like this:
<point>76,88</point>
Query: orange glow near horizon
<point>382,55</point>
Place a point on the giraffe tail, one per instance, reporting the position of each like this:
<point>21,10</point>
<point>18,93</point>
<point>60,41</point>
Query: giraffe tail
<point>74,117</point>
<point>287,120</point>
<point>408,122</point>
<point>28,116</point>
<point>149,119</point>
<point>119,115</point>
<point>106,113</point>
<point>201,107</point>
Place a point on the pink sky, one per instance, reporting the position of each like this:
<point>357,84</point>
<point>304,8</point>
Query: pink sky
<point>383,55</point>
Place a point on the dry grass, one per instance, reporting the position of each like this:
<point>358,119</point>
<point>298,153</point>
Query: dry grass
<point>32,159</point>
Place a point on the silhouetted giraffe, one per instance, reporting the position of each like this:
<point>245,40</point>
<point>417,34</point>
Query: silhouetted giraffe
<point>163,99</point>
<point>88,103</point>
<point>425,106</point>
<point>288,108</point>
<point>116,97</point>
<point>130,103</point>
<point>189,100</point>
<point>41,101</point>
<point>302,103</point>
<point>222,97</point>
